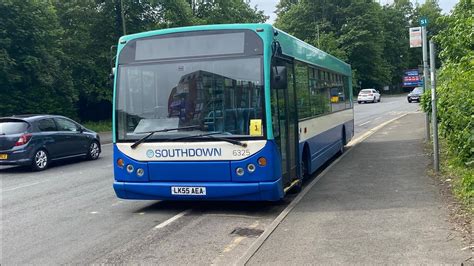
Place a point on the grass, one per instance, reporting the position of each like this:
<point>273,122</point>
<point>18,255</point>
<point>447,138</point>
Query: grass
<point>460,175</point>
<point>99,126</point>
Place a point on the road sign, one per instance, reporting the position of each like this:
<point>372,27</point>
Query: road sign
<point>415,37</point>
<point>412,78</point>
<point>424,21</point>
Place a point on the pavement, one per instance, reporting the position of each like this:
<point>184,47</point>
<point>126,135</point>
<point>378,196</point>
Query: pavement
<point>375,206</point>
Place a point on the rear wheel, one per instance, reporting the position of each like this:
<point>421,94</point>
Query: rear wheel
<point>94,151</point>
<point>359,102</point>
<point>409,101</point>
<point>40,160</point>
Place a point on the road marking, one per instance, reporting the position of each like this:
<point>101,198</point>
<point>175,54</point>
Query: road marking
<point>269,230</point>
<point>367,134</point>
<point>26,185</point>
<point>94,212</point>
<point>364,123</point>
<point>172,219</point>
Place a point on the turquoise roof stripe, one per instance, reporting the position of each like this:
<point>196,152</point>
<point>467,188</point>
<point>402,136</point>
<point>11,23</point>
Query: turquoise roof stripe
<point>307,53</point>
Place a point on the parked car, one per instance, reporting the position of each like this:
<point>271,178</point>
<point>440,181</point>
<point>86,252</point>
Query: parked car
<point>36,140</point>
<point>415,94</point>
<point>368,95</point>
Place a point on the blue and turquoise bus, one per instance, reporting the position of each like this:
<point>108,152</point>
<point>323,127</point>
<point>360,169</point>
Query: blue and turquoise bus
<point>225,112</point>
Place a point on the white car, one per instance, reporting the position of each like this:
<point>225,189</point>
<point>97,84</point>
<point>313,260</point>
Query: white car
<point>368,95</point>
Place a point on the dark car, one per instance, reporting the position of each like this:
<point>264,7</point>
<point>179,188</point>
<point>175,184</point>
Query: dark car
<point>36,140</point>
<point>415,94</point>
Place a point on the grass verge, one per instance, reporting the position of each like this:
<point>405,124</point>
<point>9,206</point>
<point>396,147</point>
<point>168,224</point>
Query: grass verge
<point>99,126</point>
<point>456,184</point>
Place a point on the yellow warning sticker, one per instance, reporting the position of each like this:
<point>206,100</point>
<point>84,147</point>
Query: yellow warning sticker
<point>255,127</point>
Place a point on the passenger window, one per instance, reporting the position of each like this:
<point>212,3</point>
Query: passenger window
<point>302,90</point>
<point>45,125</point>
<point>65,125</point>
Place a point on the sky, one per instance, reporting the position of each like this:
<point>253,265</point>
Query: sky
<point>269,6</point>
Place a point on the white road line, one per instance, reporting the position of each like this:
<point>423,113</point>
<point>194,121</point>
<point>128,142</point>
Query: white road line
<point>26,185</point>
<point>364,123</point>
<point>172,219</point>
<point>269,230</point>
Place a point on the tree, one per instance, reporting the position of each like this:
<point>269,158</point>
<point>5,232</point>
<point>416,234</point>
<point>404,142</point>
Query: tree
<point>396,21</point>
<point>33,76</point>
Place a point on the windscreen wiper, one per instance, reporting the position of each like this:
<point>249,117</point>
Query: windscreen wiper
<point>150,133</point>
<point>211,135</point>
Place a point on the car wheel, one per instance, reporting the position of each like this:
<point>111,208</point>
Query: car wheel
<point>409,101</point>
<point>380,99</point>
<point>358,102</point>
<point>94,151</point>
<point>40,160</point>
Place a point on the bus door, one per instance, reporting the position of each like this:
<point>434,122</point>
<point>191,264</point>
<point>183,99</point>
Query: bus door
<point>285,121</point>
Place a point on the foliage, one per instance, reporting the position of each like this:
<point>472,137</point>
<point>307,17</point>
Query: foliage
<point>33,75</point>
<point>456,81</point>
<point>99,126</point>
<point>455,89</point>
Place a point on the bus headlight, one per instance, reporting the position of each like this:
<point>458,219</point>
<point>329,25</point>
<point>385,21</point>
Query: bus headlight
<point>129,168</point>
<point>140,172</point>
<point>251,168</point>
<point>240,171</point>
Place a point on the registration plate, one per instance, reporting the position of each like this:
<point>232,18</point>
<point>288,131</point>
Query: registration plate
<point>3,156</point>
<point>193,191</point>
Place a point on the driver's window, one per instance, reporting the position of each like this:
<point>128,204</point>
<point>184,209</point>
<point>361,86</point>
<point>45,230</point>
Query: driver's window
<point>65,125</point>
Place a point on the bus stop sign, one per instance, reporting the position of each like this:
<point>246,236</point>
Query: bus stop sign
<point>424,21</point>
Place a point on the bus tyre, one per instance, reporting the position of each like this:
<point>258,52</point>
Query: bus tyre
<point>93,151</point>
<point>40,160</point>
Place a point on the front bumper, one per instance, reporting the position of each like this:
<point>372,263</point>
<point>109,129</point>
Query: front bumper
<point>259,191</point>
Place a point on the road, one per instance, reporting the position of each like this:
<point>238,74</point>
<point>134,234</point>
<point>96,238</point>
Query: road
<point>70,214</point>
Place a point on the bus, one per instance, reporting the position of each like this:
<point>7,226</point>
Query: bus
<point>225,112</point>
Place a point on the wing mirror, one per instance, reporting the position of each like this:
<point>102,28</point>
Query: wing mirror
<point>279,78</point>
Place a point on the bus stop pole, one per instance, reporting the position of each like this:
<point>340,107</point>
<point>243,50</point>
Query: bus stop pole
<point>434,120</point>
<point>425,79</point>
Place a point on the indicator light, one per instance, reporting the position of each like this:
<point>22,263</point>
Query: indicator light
<point>120,163</point>
<point>262,161</point>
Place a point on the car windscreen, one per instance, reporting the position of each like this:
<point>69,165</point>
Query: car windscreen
<point>417,91</point>
<point>9,127</point>
<point>365,91</point>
